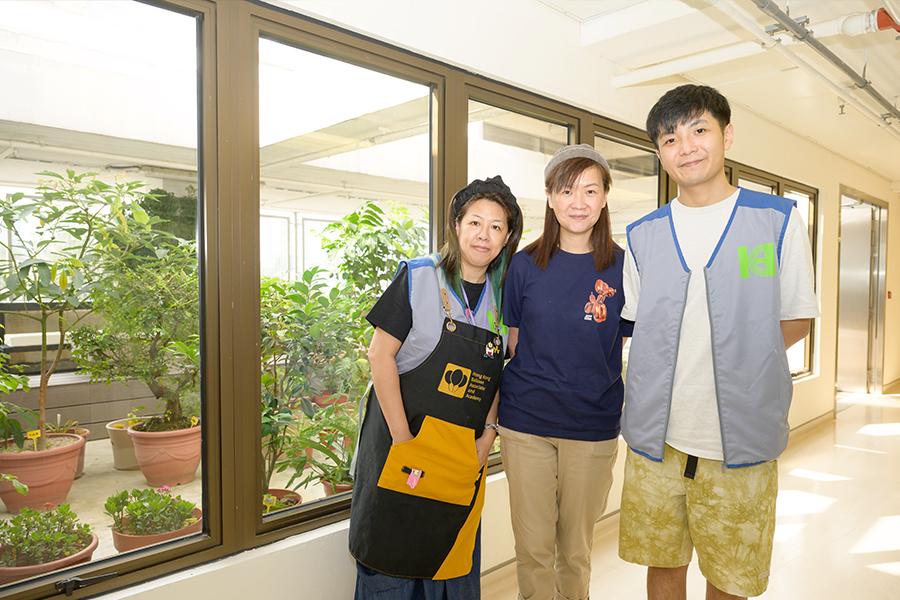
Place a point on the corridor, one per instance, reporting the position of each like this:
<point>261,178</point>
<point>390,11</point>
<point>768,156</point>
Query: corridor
<point>838,517</point>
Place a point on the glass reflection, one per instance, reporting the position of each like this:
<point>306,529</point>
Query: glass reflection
<point>344,191</point>
<point>99,196</point>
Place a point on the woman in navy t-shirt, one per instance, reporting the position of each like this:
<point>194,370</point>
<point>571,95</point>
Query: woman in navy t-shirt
<point>561,393</point>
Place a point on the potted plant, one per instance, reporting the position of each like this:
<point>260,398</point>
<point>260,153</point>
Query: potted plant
<point>149,332</point>
<point>52,264</point>
<point>366,245</point>
<point>48,483</point>
<point>71,427</point>
<point>122,445</point>
<point>35,542</point>
<point>144,517</point>
<point>331,436</point>
<point>330,335</point>
<point>285,389</point>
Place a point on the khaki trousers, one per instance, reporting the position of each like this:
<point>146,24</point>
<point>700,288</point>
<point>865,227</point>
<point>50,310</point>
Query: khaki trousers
<point>557,492</point>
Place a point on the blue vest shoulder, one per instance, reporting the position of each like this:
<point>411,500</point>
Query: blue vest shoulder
<point>753,199</point>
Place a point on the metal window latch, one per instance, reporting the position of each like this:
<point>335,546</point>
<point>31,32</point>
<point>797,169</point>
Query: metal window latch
<point>76,583</point>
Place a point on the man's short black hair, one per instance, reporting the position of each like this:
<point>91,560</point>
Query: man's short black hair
<point>685,103</point>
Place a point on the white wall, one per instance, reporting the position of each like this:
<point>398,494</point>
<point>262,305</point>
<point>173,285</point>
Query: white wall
<point>536,48</point>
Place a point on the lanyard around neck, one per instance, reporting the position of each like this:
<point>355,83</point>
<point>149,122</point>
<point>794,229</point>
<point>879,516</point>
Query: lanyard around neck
<point>470,315</point>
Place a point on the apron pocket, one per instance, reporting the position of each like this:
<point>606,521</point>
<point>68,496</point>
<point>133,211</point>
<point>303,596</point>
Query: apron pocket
<point>445,456</point>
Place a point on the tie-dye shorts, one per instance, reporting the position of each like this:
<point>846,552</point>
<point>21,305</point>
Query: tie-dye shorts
<point>727,515</point>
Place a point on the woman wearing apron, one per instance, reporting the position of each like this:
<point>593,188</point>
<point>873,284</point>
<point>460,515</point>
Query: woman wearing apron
<point>436,358</point>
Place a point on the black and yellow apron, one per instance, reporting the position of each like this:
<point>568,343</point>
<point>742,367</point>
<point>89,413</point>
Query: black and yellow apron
<point>417,504</point>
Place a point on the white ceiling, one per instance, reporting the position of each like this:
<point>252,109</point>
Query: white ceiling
<point>636,34</point>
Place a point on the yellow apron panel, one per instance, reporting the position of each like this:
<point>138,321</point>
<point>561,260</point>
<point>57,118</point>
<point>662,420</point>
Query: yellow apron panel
<point>459,560</point>
<point>446,456</point>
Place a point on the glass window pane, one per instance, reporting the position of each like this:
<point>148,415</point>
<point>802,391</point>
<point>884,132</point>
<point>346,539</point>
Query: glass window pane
<point>635,183</point>
<point>517,148</point>
<point>799,354</point>
<point>344,152</point>
<point>99,193</point>
<point>755,186</point>
<point>275,246</point>
<point>804,207</point>
<point>633,194</point>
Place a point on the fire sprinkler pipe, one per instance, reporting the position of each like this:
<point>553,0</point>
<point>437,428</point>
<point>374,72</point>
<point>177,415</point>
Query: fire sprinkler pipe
<point>852,24</point>
<point>846,93</point>
<point>802,34</point>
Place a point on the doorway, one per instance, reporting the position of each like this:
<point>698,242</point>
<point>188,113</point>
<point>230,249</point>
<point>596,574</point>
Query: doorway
<point>862,248</point>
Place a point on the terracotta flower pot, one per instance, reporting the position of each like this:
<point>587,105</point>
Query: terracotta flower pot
<point>327,399</point>
<point>48,474</point>
<point>125,542</point>
<point>83,432</point>
<point>280,493</point>
<point>10,574</point>
<point>123,448</point>
<point>337,488</point>
<point>167,457</point>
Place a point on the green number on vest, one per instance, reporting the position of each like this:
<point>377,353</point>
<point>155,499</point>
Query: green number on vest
<point>763,260</point>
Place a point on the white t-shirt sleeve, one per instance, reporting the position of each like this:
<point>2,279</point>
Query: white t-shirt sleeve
<point>798,296</point>
<point>631,284</point>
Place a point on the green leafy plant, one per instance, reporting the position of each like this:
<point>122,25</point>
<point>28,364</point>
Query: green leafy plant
<point>332,436</point>
<point>314,339</point>
<point>149,306</point>
<point>11,378</point>
<point>326,350</point>
<point>272,503</point>
<point>368,243</point>
<point>284,387</point>
<point>18,485</point>
<point>36,537</point>
<point>178,214</point>
<point>54,254</point>
<point>367,246</point>
<point>149,512</point>
<point>11,427</point>
<point>61,426</point>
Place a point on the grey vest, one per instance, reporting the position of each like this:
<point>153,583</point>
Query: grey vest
<point>753,382</point>
<point>425,282</point>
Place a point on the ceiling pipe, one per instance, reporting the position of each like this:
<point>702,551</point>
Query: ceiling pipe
<point>846,93</point>
<point>852,24</point>
<point>802,34</point>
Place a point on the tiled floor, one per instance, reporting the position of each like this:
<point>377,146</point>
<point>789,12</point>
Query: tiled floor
<point>838,523</point>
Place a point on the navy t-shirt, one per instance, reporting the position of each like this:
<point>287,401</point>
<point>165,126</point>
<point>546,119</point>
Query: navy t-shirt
<point>565,380</point>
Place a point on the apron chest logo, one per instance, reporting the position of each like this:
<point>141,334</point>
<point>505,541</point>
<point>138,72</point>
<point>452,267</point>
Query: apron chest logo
<point>464,383</point>
<point>455,380</point>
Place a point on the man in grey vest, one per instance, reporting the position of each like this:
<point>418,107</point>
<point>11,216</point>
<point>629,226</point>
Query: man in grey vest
<point>719,283</point>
